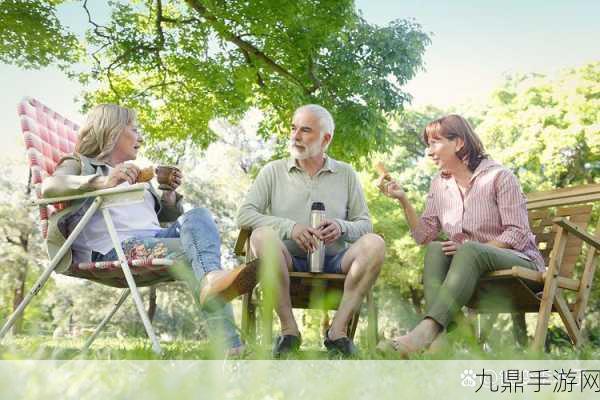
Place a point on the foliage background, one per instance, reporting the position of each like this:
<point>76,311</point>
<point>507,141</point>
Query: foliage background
<point>215,87</point>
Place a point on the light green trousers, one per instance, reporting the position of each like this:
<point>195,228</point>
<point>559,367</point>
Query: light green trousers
<point>450,281</point>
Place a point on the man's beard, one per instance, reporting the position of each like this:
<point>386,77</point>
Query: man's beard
<point>311,150</point>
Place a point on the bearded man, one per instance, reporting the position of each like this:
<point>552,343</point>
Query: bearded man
<point>277,210</point>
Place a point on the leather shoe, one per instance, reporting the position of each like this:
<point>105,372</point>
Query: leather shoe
<point>340,347</point>
<point>230,283</point>
<point>286,344</point>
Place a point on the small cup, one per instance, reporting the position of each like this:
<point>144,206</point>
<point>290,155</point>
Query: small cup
<point>164,176</point>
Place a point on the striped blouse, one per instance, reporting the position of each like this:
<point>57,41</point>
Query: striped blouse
<point>493,208</point>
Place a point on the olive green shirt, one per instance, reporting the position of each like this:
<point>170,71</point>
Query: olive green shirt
<point>283,193</point>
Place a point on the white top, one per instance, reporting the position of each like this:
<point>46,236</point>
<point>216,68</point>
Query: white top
<point>130,220</point>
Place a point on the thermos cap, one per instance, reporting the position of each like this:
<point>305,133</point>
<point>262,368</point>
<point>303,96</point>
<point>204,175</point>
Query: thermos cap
<point>317,205</point>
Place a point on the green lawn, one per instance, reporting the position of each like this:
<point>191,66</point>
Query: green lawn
<point>459,347</point>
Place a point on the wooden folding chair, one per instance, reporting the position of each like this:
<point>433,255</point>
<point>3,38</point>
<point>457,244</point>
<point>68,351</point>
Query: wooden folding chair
<point>48,136</point>
<point>559,219</point>
<point>307,290</point>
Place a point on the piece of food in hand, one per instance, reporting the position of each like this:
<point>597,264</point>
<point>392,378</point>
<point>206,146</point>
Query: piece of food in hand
<point>145,174</point>
<point>380,167</point>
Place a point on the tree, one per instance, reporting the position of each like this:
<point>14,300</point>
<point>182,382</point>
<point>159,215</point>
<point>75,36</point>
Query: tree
<point>403,267</point>
<point>182,64</point>
<point>20,244</point>
<point>32,36</point>
<point>546,128</point>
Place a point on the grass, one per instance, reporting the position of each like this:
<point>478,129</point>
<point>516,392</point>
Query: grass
<point>460,346</point>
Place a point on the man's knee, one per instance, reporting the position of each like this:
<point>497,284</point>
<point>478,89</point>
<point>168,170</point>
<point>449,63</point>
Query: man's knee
<point>262,235</point>
<point>374,245</point>
<point>371,249</point>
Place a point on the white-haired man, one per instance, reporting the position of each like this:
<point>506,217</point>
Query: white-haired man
<point>277,209</point>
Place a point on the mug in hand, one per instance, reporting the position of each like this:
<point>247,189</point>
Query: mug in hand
<point>164,176</point>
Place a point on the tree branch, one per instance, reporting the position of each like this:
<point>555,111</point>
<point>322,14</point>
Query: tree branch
<point>249,61</point>
<point>244,45</point>
<point>312,72</point>
<point>158,23</point>
<point>97,27</point>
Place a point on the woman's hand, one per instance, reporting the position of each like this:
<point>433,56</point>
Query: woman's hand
<point>169,198</point>
<point>177,177</point>
<point>450,248</point>
<point>390,187</point>
<point>121,173</point>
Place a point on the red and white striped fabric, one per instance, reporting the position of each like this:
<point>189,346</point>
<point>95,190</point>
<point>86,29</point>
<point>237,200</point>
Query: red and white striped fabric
<point>48,136</point>
<point>493,208</point>
<point>146,271</point>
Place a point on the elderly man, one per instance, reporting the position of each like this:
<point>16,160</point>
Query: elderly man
<point>277,209</point>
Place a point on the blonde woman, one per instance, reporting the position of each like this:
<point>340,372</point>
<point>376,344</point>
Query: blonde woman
<point>107,141</point>
<point>479,204</point>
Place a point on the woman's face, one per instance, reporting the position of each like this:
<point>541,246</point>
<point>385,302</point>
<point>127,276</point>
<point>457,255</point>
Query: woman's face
<point>128,144</point>
<point>443,151</point>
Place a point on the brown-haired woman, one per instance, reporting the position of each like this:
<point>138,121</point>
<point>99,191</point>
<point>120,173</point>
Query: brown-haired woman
<point>480,206</point>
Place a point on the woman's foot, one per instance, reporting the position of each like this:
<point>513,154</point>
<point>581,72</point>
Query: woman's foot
<point>439,343</point>
<point>417,340</point>
<point>229,284</point>
<point>236,352</point>
<point>398,346</point>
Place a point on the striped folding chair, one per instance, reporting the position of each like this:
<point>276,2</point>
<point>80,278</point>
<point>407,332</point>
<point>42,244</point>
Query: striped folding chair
<point>48,136</point>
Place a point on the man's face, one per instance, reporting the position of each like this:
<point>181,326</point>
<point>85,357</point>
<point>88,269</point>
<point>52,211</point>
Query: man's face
<point>306,140</point>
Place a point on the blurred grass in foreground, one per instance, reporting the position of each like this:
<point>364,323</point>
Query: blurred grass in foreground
<point>460,345</point>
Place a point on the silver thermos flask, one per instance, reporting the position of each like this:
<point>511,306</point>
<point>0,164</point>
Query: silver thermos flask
<point>316,259</point>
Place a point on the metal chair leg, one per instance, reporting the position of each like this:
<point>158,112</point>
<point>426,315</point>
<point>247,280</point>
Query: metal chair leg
<point>131,282</point>
<point>105,320</point>
<point>51,267</point>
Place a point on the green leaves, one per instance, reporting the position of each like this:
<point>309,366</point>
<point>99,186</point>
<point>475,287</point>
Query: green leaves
<point>546,128</point>
<point>32,36</point>
<point>195,61</point>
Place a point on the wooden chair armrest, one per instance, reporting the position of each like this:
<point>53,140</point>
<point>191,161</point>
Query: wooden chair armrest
<point>240,243</point>
<point>95,193</point>
<point>577,231</point>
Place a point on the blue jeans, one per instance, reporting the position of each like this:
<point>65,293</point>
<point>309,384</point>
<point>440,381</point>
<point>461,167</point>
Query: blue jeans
<point>194,240</point>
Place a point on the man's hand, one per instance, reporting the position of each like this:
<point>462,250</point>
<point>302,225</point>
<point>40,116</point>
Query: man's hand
<point>305,237</point>
<point>329,231</point>
<point>449,248</point>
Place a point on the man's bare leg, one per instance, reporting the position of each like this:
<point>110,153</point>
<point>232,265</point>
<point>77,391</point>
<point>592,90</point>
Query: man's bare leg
<point>258,240</point>
<point>361,264</point>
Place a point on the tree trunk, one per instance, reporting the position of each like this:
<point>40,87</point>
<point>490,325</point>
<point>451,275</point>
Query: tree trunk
<point>19,294</point>
<point>152,303</point>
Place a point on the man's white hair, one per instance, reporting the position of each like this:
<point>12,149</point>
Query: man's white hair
<point>325,119</point>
